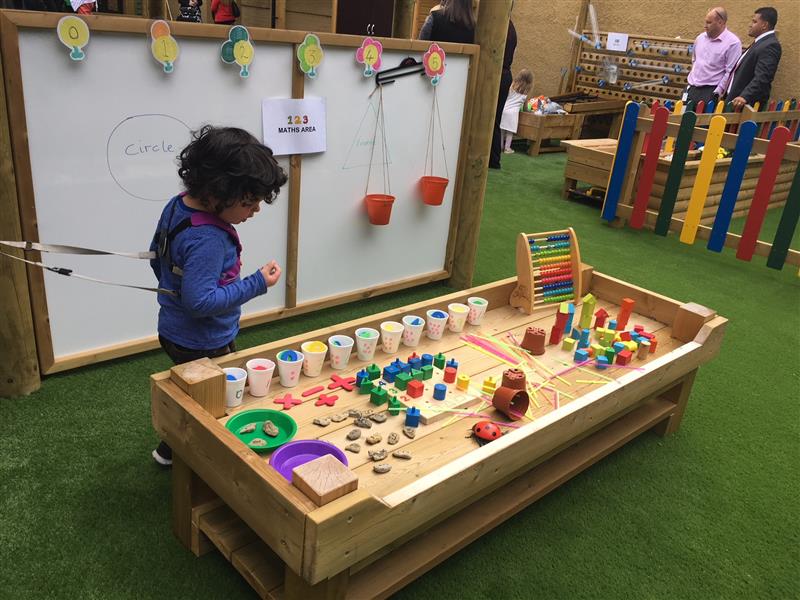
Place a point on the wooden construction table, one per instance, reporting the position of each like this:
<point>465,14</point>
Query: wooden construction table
<point>373,541</point>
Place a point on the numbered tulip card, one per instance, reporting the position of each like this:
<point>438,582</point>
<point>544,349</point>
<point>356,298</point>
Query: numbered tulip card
<point>74,34</point>
<point>310,54</point>
<point>164,46</point>
<point>238,49</point>
<point>369,55</point>
<point>433,60</point>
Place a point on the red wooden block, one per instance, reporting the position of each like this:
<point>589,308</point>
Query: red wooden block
<point>625,336</point>
<point>415,388</point>
<point>326,400</point>
<point>288,401</point>
<point>647,335</point>
<point>590,350</point>
<point>638,328</point>
<point>653,344</point>
<point>601,314</point>
<point>449,375</point>
<point>348,384</point>
<point>624,357</point>
<point>555,334</point>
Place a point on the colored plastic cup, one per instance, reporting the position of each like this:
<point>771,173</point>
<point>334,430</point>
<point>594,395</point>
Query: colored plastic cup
<point>458,316</point>
<point>413,330</point>
<point>340,347</point>
<point>391,334</point>
<point>437,321</point>
<point>366,342</point>
<point>314,353</point>
<point>290,363</point>
<point>259,375</point>
<point>235,378</point>
<point>477,308</point>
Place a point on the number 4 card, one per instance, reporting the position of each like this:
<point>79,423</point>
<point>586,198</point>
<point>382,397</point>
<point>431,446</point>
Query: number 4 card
<point>294,126</point>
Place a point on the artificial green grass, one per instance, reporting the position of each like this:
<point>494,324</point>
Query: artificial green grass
<point>709,512</point>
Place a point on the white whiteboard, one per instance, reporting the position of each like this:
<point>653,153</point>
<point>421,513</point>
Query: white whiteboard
<point>335,226</point>
<point>103,134</point>
<point>72,109</point>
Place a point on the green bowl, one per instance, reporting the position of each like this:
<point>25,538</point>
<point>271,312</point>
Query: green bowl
<point>285,424</point>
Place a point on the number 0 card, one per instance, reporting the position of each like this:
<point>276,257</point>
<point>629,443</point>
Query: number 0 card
<point>294,126</point>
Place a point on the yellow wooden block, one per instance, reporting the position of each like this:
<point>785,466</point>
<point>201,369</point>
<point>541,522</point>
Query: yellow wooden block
<point>631,345</point>
<point>568,344</point>
<point>598,349</point>
<point>324,479</point>
<point>489,385</point>
<point>462,382</point>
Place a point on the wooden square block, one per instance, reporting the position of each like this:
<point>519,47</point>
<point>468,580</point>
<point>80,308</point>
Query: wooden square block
<point>324,479</point>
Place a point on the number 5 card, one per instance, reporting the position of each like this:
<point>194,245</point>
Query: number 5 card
<point>294,126</point>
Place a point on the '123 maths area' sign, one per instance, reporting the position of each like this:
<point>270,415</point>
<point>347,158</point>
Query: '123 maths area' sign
<point>294,126</point>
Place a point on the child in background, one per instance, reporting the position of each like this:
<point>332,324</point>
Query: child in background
<point>224,12</point>
<point>190,11</point>
<point>520,88</point>
<point>227,173</point>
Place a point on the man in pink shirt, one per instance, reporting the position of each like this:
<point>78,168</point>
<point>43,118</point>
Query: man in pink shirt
<point>715,54</point>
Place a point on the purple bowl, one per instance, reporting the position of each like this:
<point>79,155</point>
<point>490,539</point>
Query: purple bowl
<point>297,453</point>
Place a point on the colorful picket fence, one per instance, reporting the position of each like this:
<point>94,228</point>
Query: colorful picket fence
<point>770,133</point>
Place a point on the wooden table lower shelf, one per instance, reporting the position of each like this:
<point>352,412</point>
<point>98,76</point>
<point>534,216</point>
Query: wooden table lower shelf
<point>371,542</point>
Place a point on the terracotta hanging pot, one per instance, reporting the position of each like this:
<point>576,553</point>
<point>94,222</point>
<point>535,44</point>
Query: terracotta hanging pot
<point>379,208</point>
<point>432,189</point>
<point>514,378</point>
<point>512,403</point>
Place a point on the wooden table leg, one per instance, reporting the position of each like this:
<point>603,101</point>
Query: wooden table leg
<point>679,395</point>
<point>297,588</point>
<point>569,185</point>
<point>188,492</point>
<point>533,149</point>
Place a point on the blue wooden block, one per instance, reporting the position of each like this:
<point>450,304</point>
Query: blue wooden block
<point>618,347</point>
<point>612,324</point>
<point>361,376</point>
<point>452,363</point>
<point>581,356</point>
<point>412,417</point>
<point>571,315</point>
<point>602,363</point>
<point>439,391</point>
<point>427,359</point>
<point>389,373</point>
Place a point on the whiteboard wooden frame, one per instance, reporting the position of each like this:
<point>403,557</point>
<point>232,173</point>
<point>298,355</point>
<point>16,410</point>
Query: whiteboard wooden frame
<point>12,94</point>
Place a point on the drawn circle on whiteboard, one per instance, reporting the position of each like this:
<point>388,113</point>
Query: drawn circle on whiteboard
<point>142,153</point>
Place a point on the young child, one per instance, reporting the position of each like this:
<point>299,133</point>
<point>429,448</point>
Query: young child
<point>520,88</point>
<point>227,173</point>
<point>190,11</point>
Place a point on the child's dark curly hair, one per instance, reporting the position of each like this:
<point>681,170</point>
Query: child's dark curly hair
<point>226,165</point>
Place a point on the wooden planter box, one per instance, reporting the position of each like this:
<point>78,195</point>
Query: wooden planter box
<point>589,161</point>
<point>373,541</point>
<point>541,128</point>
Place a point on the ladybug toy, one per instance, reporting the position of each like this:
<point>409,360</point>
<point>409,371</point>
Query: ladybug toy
<point>485,431</point>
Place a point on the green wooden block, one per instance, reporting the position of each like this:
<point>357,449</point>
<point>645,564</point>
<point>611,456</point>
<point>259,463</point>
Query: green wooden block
<point>417,374</point>
<point>365,387</point>
<point>439,361</point>
<point>401,381</point>
<point>610,354</point>
<point>395,406</point>
<point>378,396</point>
<point>374,371</point>
<point>427,372</point>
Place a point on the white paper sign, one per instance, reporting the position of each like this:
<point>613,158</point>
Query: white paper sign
<point>617,42</point>
<point>294,126</point>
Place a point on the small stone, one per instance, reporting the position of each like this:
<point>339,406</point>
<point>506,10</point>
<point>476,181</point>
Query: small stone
<point>377,455</point>
<point>354,434</point>
<point>339,417</point>
<point>354,448</point>
<point>258,443</point>
<point>401,454</point>
<point>249,428</point>
<point>410,432</point>
<point>322,421</point>
<point>356,414</point>
<point>270,429</point>
<point>393,438</point>
<point>379,417</point>
<point>375,438</point>
<point>384,468</point>
<point>363,422</point>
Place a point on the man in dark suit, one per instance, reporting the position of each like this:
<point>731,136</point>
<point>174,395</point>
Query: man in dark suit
<point>751,80</point>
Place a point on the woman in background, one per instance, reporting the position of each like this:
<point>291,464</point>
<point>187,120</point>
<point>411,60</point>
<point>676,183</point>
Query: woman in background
<point>451,21</point>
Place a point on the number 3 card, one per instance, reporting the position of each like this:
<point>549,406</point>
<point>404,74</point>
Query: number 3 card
<point>294,126</point>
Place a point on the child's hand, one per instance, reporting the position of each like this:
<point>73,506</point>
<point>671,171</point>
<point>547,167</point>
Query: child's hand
<point>271,272</point>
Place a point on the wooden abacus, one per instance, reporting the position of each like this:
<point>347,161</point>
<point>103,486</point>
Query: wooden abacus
<point>548,269</point>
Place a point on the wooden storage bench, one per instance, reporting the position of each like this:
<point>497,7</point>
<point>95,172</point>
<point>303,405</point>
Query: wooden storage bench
<point>373,541</point>
<point>541,128</point>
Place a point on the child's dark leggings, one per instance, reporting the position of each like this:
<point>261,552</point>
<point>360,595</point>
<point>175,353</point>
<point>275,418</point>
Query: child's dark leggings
<point>180,355</point>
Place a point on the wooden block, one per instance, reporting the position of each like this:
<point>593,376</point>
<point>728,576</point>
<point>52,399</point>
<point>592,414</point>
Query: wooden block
<point>324,479</point>
<point>689,319</point>
<point>204,381</point>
